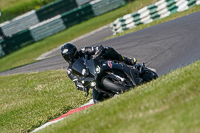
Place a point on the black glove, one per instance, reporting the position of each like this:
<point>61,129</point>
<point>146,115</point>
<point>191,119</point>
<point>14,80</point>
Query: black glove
<point>79,86</point>
<point>130,61</point>
<point>133,61</point>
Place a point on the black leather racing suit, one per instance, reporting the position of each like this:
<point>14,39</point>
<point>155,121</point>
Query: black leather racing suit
<point>97,52</point>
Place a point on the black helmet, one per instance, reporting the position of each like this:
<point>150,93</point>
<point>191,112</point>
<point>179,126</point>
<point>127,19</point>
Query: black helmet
<point>69,52</point>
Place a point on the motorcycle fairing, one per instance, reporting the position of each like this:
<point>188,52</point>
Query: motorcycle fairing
<point>92,64</point>
<point>123,68</point>
<point>79,68</point>
<point>110,65</point>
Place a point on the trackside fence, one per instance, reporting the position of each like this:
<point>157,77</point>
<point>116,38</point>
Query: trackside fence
<point>19,23</point>
<point>16,41</point>
<point>49,20</point>
<point>55,8</point>
<point>82,2</point>
<point>102,6</point>
<point>148,14</point>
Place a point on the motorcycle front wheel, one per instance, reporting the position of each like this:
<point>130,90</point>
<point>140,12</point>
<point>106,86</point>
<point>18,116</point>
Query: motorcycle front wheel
<point>114,86</point>
<point>149,75</point>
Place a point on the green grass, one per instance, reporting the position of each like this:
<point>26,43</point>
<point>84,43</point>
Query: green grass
<point>168,104</point>
<point>14,8</point>
<point>35,50</point>
<point>29,100</point>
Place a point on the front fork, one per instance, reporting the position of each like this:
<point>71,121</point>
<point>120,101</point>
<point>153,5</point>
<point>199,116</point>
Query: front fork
<point>141,68</point>
<point>87,92</point>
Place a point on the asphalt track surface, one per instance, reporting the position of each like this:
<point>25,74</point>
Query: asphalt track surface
<point>165,47</point>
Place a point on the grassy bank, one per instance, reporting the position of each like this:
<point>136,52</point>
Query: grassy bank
<point>168,104</point>
<point>29,100</point>
<point>14,8</point>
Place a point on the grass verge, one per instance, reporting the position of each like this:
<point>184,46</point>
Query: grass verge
<point>33,51</point>
<point>29,100</point>
<point>168,104</point>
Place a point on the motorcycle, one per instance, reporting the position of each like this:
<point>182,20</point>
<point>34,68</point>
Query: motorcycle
<point>110,77</point>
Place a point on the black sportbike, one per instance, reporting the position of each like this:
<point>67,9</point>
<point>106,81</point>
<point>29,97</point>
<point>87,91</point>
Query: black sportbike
<point>110,77</point>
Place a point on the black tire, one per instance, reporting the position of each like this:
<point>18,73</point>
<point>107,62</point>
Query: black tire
<point>149,75</point>
<point>110,85</point>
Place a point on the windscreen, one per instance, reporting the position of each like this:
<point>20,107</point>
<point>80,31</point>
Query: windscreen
<point>78,67</point>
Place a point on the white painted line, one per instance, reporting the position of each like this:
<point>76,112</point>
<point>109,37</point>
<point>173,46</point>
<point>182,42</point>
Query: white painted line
<point>46,124</point>
<point>61,118</point>
<point>89,103</point>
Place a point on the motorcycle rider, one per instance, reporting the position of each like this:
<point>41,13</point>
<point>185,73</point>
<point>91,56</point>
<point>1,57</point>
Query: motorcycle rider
<point>70,53</point>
